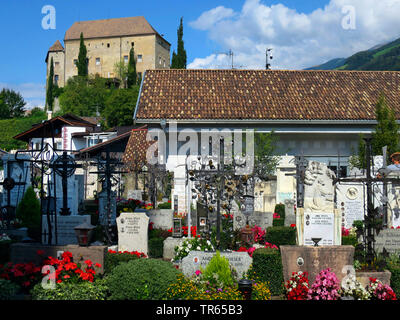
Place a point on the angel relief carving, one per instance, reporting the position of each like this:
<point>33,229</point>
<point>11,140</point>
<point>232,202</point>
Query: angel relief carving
<point>318,191</point>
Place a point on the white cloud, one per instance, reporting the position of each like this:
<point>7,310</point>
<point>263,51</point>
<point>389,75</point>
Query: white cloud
<point>34,94</point>
<point>211,17</point>
<point>298,40</point>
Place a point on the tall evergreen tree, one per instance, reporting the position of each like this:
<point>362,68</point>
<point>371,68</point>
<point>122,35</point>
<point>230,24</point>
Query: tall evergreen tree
<point>50,88</point>
<point>82,62</point>
<point>132,75</point>
<point>179,59</point>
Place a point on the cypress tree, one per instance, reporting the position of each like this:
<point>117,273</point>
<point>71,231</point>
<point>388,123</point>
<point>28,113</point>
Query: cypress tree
<point>132,75</point>
<point>82,63</point>
<point>50,88</point>
<point>179,59</point>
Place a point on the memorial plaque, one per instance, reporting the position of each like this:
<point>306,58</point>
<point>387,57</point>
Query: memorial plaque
<point>195,260</point>
<point>319,225</point>
<point>133,232</point>
<point>388,239</point>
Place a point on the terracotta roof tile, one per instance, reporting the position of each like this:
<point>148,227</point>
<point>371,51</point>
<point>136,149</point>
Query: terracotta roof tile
<point>109,28</point>
<point>266,95</point>
<point>135,153</point>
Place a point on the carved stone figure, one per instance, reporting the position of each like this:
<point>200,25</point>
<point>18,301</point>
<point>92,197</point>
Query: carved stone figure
<point>318,191</point>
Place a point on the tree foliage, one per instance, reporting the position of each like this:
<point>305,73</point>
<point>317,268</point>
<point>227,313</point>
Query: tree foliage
<point>12,104</point>
<point>385,134</point>
<point>265,150</point>
<point>50,87</point>
<point>179,59</point>
<point>84,97</point>
<point>82,63</point>
<point>120,107</point>
<point>131,74</point>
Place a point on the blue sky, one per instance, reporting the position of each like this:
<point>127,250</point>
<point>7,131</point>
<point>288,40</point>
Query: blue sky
<point>301,33</point>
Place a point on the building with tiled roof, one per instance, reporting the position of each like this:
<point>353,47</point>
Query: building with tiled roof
<point>108,42</point>
<point>319,113</point>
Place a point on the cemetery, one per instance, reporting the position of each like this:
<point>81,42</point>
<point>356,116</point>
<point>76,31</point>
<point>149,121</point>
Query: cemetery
<point>329,239</point>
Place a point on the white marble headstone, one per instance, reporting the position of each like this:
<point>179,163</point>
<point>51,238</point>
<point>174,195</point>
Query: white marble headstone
<point>133,232</point>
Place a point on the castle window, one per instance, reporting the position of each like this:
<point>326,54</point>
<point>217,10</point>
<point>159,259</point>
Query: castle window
<point>56,77</point>
<point>75,62</point>
<point>108,45</point>
<point>56,63</point>
<point>97,61</point>
<point>126,59</point>
<point>139,58</point>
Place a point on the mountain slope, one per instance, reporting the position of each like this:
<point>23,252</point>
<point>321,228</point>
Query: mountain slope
<point>382,57</point>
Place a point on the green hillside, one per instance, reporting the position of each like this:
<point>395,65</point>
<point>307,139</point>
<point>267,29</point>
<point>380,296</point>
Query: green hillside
<point>382,58</point>
<point>11,127</point>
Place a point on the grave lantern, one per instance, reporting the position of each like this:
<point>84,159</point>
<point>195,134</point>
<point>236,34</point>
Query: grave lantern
<point>177,228</point>
<point>84,233</point>
<point>245,287</point>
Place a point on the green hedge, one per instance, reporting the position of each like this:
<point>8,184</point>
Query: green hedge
<point>141,279</point>
<point>281,235</point>
<point>86,290</point>
<point>8,289</point>
<point>278,222</point>
<point>395,279</point>
<point>5,251</point>
<point>267,266</point>
<point>112,260</point>
<point>11,127</point>
<point>156,247</point>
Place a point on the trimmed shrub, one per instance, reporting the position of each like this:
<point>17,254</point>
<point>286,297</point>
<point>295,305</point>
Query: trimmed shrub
<point>280,210</point>
<point>86,290</point>
<point>156,247</point>
<point>281,235</point>
<point>5,251</point>
<point>113,259</point>
<point>28,211</point>
<point>278,222</point>
<point>349,240</point>
<point>141,279</point>
<point>218,271</point>
<point>267,267</point>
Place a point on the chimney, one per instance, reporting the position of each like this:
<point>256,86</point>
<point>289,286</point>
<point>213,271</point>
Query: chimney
<point>49,115</point>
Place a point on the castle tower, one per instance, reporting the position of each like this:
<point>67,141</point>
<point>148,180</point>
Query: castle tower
<point>56,52</point>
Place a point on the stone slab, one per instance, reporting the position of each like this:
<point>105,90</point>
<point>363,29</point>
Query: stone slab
<point>27,252</point>
<point>161,218</point>
<point>169,247</point>
<point>315,259</point>
<point>195,260</point>
<point>133,232</point>
<point>388,239</point>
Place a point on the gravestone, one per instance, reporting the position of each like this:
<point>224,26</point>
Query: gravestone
<point>161,218</point>
<point>290,217</point>
<point>135,194</point>
<point>318,188</point>
<point>350,201</point>
<point>133,232</point>
<point>21,174</point>
<point>318,218</point>
<point>195,260</point>
<point>103,212</point>
<point>393,206</point>
<point>388,239</point>
<point>65,228</point>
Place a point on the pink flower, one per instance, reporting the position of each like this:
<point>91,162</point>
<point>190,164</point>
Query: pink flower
<point>198,272</point>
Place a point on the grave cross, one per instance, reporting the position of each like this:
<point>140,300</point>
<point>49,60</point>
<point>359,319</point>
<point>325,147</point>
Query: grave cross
<point>9,184</point>
<point>108,172</point>
<point>65,167</point>
<point>301,166</point>
<point>371,214</point>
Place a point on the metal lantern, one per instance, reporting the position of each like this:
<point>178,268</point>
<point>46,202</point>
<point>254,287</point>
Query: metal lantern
<point>84,233</point>
<point>246,235</point>
<point>246,288</point>
<point>177,228</point>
